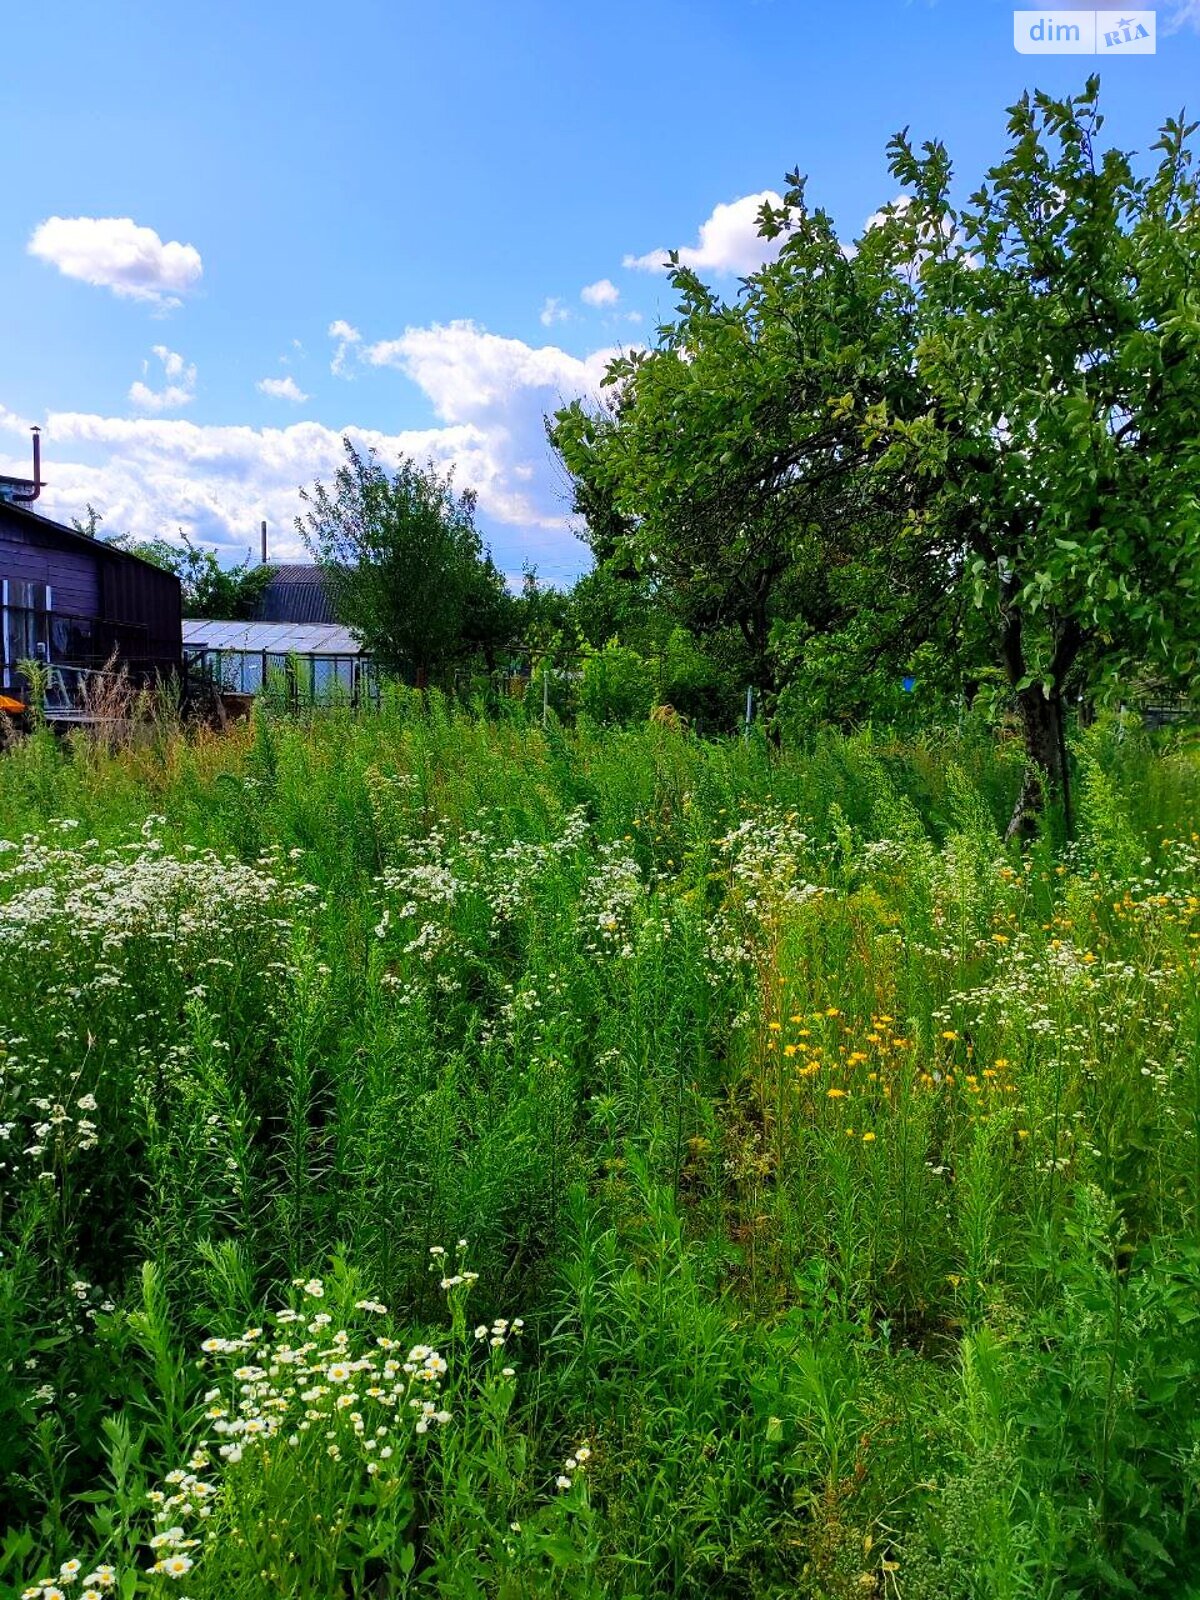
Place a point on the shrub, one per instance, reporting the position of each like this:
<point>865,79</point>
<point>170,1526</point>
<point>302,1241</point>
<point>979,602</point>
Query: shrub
<point>617,685</point>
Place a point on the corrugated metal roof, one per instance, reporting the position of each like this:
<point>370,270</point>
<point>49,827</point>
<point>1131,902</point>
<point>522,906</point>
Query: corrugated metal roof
<point>296,593</point>
<point>297,572</point>
<point>278,638</point>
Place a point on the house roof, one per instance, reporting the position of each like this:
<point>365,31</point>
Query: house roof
<point>72,536</point>
<point>276,638</point>
<point>19,486</point>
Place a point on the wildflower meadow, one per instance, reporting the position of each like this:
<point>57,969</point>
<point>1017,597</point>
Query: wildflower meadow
<point>447,1154</point>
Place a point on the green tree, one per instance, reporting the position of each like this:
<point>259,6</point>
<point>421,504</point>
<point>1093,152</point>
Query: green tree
<point>976,432</point>
<point>406,565</point>
<point>616,684</point>
<point>1057,437</point>
<point>728,471</point>
<point>543,616</point>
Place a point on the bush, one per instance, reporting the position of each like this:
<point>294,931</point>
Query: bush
<point>617,685</point>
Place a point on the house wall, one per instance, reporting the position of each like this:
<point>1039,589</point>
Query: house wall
<point>141,595</point>
<point>27,556</point>
<point>89,579</point>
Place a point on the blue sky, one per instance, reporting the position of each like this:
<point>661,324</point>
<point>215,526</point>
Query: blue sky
<point>195,196</point>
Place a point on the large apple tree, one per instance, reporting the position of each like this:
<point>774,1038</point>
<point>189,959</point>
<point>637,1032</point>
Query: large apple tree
<point>1057,361</point>
<point>977,429</point>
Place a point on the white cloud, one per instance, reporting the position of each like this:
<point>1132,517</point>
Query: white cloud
<point>178,390</point>
<point>152,475</point>
<point>1186,14</point>
<point>115,253</point>
<point>282,389</point>
<point>503,389</point>
<point>168,399</point>
<point>553,311</point>
<point>601,293</point>
<point>466,371</point>
<point>173,364</point>
<point>729,241</point>
<point>12,423</point>
<point>347,338</point>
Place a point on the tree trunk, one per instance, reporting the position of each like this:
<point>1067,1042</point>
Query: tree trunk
<point>1041,714</point>
<point>1046,760</point>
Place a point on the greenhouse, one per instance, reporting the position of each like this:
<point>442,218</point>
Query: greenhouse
<point>309,661</point>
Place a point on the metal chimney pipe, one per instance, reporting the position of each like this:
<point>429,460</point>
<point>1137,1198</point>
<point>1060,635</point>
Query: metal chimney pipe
<point>264,544</point>
<point>28,499</point>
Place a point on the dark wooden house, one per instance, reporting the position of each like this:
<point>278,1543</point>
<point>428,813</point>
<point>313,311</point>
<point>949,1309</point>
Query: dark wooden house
<point>73,601</point>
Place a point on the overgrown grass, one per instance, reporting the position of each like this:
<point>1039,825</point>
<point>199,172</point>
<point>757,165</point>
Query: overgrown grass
<point>841,1168</point>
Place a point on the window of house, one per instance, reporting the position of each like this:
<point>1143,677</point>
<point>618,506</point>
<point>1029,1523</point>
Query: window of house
<point>24,625</point>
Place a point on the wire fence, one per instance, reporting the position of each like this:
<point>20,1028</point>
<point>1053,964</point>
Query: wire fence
<point>609,686</point>
<point>540,687</point>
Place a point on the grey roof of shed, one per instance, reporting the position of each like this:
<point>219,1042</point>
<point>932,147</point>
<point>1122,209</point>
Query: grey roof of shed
<point>296,593</point>
<point>296,572</point>
<point>277,638</point>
